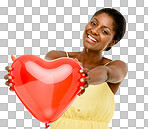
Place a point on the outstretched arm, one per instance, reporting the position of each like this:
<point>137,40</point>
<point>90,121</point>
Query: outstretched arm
<point>114,72</point>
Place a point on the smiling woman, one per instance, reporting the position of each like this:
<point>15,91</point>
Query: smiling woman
<point>95,108</point>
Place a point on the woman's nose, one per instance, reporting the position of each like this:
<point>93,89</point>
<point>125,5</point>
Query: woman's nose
<point>94,31</point>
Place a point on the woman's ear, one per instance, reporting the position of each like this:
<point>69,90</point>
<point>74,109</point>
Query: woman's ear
<point>113,42</point>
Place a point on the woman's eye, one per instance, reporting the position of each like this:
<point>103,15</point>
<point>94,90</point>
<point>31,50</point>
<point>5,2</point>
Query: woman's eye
<point>93,23</point>
<point>105,32</point>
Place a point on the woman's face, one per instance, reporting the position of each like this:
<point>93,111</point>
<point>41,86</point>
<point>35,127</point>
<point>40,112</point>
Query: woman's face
<point>99,33</point>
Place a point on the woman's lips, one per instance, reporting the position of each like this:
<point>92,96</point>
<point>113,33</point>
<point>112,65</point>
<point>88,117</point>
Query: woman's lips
<point>90,40</point>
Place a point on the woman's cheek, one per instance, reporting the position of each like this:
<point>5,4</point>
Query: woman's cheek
<point>105,38</point>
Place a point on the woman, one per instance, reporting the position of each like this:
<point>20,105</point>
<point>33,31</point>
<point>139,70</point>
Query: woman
<point>94,109</point>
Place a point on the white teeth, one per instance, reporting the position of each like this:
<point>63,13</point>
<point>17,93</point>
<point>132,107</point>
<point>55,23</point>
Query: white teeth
<point>92,38</point>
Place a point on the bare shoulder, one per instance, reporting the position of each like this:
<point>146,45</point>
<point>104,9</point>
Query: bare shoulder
<point>116,63</point>
<point>105,61</point>
<point>119,63</point>
<point>118,69</point>
<point>54,54</point>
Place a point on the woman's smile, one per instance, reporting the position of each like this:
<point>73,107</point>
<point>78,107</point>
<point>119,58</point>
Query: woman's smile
<point>90,39</point>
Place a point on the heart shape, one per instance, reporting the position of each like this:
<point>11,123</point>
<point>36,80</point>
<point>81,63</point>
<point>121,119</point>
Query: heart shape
<point>46,88</point>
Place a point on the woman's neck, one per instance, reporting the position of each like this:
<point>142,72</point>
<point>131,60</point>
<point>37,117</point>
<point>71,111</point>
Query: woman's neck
<point>88,57</point>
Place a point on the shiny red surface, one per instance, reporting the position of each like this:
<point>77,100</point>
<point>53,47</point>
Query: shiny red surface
<point>46,88</point>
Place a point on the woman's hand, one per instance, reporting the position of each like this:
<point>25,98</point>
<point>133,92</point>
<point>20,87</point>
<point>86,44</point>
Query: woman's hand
<point>8,68</point>
<point>85,79</point>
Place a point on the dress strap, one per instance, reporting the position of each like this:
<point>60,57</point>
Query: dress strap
<point>67,54</point>
<point>108,63</point>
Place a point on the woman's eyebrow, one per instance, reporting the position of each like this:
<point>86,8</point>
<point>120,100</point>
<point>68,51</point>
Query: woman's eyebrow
<point>96,19</point>
<point>108,28</point>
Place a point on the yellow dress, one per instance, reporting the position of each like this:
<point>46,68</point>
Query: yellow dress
<point>92,110</point>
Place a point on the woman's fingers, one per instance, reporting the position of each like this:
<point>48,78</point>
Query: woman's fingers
<point>13,58</point>
<point>85,70</point>
<point>10,89</point>
<point>8,68</point>
<point>7,77</point>
<point>8,83</point>
<point>87,78</point>
<point>84,86</point>
<point>82,91</point>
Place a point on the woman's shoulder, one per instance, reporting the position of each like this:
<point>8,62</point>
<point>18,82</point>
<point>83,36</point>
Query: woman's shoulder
<point>54,54</point>
<point>69,54</point>
<point>107,61</point>
<point>72,54</point>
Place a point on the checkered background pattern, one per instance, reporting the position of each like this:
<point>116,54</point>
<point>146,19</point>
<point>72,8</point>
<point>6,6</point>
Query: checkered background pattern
<point>38,26</point>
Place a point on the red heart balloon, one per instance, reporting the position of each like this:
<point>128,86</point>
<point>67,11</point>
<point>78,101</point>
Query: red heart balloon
<point>46,88</point>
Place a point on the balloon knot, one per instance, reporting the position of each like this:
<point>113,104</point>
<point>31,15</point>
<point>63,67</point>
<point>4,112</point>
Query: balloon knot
<point>46,125</point>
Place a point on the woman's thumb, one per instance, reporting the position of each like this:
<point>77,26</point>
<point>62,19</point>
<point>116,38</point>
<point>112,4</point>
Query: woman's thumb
<point>13,57</point>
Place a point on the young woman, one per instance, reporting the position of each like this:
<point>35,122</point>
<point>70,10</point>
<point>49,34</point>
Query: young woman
<point>94,109</point>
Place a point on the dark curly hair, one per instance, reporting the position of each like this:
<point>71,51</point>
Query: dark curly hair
<point>119,23</point>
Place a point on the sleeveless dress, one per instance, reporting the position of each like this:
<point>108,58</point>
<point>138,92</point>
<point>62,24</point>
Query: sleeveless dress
<point>92,110</point>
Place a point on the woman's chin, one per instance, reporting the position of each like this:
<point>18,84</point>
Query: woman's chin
<point>89,47</point>
<point>88,44</point>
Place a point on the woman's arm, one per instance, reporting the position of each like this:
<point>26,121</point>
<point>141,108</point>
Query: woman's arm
<point>114,72</point>
<point>50,55</point>
<point>54,54</point>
